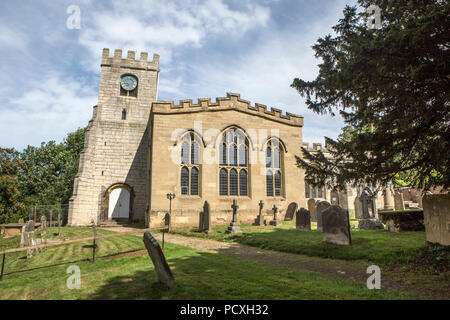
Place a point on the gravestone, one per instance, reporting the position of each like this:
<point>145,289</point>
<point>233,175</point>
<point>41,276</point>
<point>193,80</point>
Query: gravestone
<point>259,221</point>
<point>159,261</point>
<point>303,220</point>
<point>234,225</point>
<point>312,209</point>
<point>21,220</point>
<point>22,236</point>
<point>370,224</point>
<point>44,229</point>
<point>398,201</point>
<point>368,203</point>
<point>358,208</point>
<point>336,226</point>
<point>290,212</point>
<point>436,214</point>
<point>321,206</point>
<point>30,239</point>
<point>167,222</point>
<point>275,222</point>
<point>205,219</point>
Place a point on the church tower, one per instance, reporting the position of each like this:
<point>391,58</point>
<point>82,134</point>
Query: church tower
<point>112,180</point>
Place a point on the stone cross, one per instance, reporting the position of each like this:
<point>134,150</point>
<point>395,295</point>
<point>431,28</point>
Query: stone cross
<point>275,222</point>
<point>159,260</point>
<point>259,221</point>
<point>234,225</point>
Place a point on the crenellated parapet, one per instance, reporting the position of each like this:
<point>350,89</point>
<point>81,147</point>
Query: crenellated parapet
<point>232,101</point>
<point>316,146</point>
<point>130,61</point>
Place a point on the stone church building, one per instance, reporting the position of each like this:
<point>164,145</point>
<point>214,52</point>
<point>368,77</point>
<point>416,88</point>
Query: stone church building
<point>139,149</point>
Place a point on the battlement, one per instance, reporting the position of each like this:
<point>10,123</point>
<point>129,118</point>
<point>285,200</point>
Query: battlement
<point>130,61</point>
<point>316,146</point>
<point>232,101</point>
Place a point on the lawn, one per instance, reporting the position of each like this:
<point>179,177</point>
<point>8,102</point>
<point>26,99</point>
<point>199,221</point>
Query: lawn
<point>198,275</point>
<point>378,246</point>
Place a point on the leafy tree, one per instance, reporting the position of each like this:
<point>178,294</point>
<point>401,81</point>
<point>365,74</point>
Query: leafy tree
<point>11,209</point>
<point>51,168</point>
<point>391,86</point>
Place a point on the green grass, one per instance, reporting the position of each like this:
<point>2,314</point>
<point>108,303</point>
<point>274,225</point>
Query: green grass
<point>198,275</point>
<point>378,246</point>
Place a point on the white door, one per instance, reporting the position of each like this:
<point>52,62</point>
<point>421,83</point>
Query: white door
<point>119,204</point>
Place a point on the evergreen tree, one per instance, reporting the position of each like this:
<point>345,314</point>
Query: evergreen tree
<point>391,86</point>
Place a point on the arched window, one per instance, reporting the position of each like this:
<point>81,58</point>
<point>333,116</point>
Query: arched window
<point>190,161</point>
<point>243,183</point>
<point>223,183</point>
<point>124,114</point>
<point>184,180</point>
<point>274,169</point>
<point>233,163</point>
<point>233,182</point>
<point>194,181</point>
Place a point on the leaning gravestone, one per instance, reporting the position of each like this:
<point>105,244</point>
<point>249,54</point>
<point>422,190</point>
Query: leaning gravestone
<point>358,208</point>
<point>303,220</point>
<point>44,229</point>
<point>321,207</point>
<point>205,219</point>
<point>290,212</point>
<point>275,222</point>
<point>336,226</point>
<point>234,225</point>
<point>159,261</point>
<point>312,209</point>
<point>398,201</point>
<point>30,239</point>
<point>436,214</point>
<point>259,221</point>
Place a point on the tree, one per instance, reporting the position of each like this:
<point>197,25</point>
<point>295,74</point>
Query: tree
<point>11,209</point>
<point>50,170</point>
<point>391,86</point>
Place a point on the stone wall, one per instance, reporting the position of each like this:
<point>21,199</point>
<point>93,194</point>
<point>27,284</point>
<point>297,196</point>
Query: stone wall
<point>115,150</point>
<point>209,119</point>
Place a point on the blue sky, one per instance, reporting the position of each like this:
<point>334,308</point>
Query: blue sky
<point>50,73</point>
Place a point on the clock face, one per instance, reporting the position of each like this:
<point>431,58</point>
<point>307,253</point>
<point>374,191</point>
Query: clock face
<point>128,83</point>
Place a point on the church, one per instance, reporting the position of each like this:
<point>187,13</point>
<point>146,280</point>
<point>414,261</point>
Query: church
<point>138,150</point>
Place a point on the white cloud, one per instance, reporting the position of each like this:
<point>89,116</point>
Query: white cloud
<point>53,108</point>
<point>10,40</point>
<point>162,26</point>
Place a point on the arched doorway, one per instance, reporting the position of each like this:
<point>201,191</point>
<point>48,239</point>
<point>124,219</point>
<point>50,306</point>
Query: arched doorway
<point>119,202</point>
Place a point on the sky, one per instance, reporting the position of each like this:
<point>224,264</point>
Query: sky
<point>50,73</point>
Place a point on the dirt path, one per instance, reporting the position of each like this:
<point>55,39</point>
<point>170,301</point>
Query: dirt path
<point>351,270</point>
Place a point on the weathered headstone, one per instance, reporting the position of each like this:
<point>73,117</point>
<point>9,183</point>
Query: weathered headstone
<point>358,208</point>
<point>44,229</point>
<point>22,236</point>
<point>167,221</point>
<point>368,203</point>
<point>205,219</point>
<point>290,212</point>
<point>275,222</point>
<point>398,201</point>
<point>234,225</point>
<point>200,221</point>
<point>436,213</point>
<point>30,239</point>
<point>312,209</point>
<point>259,221</point>
<point>336,226</point>
<point>21,220</point>
<point>159,261</point>
<point>321,207</point>
<point>303,220</point>
<point>370,224</point>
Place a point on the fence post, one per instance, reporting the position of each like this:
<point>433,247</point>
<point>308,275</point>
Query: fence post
<point>59,223</point>
<point>3,266</point>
